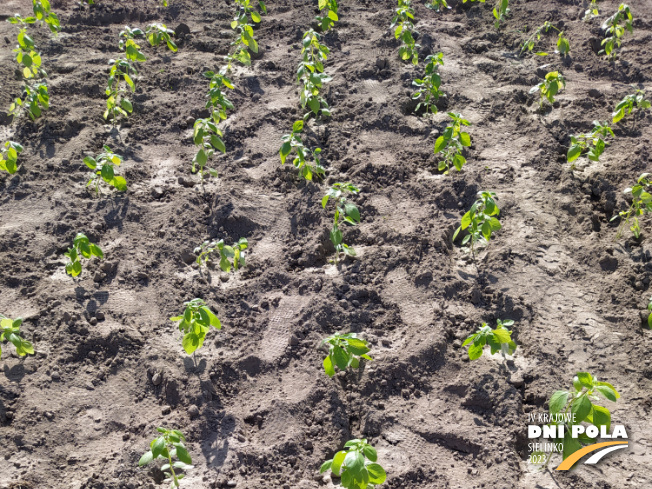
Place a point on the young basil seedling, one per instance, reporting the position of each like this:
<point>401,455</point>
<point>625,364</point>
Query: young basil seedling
<point>649,317</point>
<point>344,211</point>
<point>429,85</point>
<point>218,104</point>
<point>35,99</point>
<point>594,142</point>
<point>307,160</point>
<point>499,339</point>
<point>158,33</point>
<point>592,11</point>
<point>10,331</point>
<point>356,467</point>
<point>344,350</point>
<point>168,446</point>
<point>579,402</point>
<point>196,321</point>
<point>9,157</point>
<point>614,31</point>
<point>480,220</point>
<point>628,104</point>
<point>208,138</point>
<point>311,76</point>
<point>245,40</point>
<point>103,166</point>
<point>327,21</point>
<point>403,26</point>
<point>563,44</point>
<point>117,104</point>
<point>81,246</point>
<point>230,256</point>
<point>451,144</point>
<point>549,87</point>
<point>129,46</point>
<point>42,13</point>
<point>641,205</point>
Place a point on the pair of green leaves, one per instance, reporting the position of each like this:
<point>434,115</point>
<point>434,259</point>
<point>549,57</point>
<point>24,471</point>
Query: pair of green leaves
<point>345,211</point>
<point>248,9</point>
<point>9,157</point>
<point>480,220</point>
<point>217,101</point>
<point>344,350</point>
<point>356,466</point>
<point>27,57</point>
<point>81,246</point>
<point>42,13</point>
<point>627,105</point>
<point>208,138</point>
<point>549,87</point>
<point>499,339</point>
<point>614,31</point>
<point>451,144</point>
<point>10,331</point>
<point>429,84</point>
<point>104,169</point>
<point>641,204</point>
<point>437,5</point>
<point>307,160</point>
<point>501,11</point>
<point>168,446</point>
<point>594,142</point>
<point>230,256</point>
<point>35,100</point>
<point>328,20</point>
<point>578,402</point>
<point>404,30</point>
<point>196,321</point>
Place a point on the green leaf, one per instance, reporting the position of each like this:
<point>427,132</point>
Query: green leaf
<point>119,183</point>
<point>600,417</point>
<point>558,401</point>
<point>585,379</point>
<point>146,458</point>
<point>354,462</point>
<point>213,320</point>
<point>190,343</point>
<point>440,144</point>
<point>158,446</point>
<point>607,392</point>
<point>183,455</point>
<point>465,139</point>
<point>340,357</point>
<point>338,460</point>
<point>475,351</point>
<point>370,453</point>
<point>358,347</point>
<point>581,408</point>
<point>377,474</point>
<point>328,366</point>
<point>571,445</point>
<point>325,466</point>
<point>573,153</point>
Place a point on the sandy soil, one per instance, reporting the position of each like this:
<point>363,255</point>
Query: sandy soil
<point>255,404</point>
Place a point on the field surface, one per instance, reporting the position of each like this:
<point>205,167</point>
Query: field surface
<point>254,402</point>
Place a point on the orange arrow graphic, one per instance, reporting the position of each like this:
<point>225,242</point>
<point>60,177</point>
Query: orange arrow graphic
<point>570,461</point>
